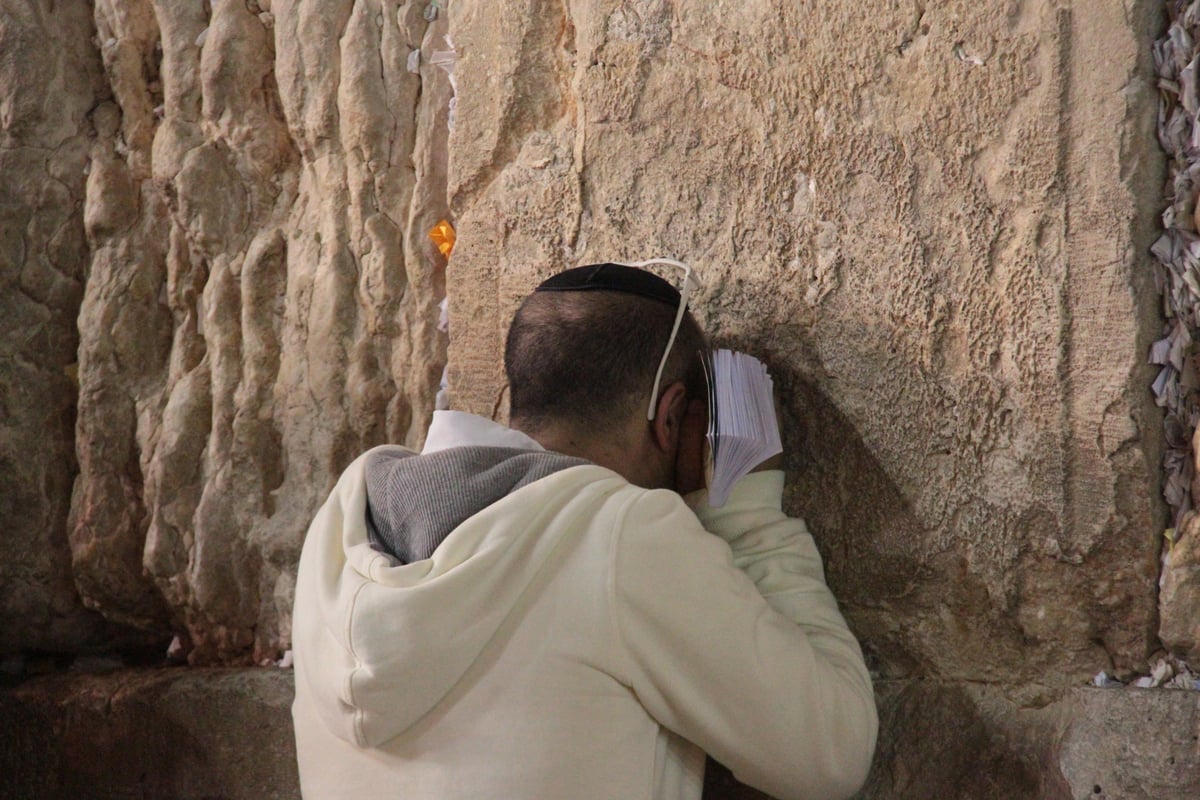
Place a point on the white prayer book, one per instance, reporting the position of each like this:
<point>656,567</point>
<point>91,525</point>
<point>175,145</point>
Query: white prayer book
<point>742,429</point>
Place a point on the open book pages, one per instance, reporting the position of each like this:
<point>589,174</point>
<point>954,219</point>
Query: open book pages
<point>742,429</point>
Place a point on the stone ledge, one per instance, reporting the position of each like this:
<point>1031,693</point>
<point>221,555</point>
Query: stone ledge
<point>177,733</point>
<point>188,734</point>
<point>960,740</point>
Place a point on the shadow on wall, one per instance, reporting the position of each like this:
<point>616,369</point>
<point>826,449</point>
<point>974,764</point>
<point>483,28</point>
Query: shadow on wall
<point>850,504</point>
<point>937,740</point>
<point>973,757</point>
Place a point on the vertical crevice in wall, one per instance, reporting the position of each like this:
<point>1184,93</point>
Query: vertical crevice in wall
<point>430,121</point>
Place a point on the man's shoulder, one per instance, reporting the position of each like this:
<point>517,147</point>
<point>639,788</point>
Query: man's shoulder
<point>657,514</point>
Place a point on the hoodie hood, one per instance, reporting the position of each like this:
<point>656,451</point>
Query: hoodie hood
<point>413,502</point>
<point>380,643</point>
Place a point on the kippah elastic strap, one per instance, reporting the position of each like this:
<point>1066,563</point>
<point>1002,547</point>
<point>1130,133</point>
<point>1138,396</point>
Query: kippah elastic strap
<point>690,281</point>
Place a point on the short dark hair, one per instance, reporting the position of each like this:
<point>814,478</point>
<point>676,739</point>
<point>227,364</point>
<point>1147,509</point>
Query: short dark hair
<point>587,358</point>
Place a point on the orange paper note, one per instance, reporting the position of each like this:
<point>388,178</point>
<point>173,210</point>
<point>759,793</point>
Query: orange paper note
<point>443,236</point>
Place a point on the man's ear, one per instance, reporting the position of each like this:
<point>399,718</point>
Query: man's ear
<point>668,416</point>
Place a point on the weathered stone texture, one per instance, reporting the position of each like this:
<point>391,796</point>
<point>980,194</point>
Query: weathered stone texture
<point>930,219</point>
<point>46,92</point>
<point>263,298</point>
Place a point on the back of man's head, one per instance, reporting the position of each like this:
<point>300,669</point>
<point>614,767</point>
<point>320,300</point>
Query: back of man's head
<point>586,360</point>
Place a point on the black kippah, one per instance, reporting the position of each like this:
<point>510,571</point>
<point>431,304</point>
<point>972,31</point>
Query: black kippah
<point>612,278</point>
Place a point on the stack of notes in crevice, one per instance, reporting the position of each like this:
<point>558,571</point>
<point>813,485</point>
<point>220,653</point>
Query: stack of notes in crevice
<point>742,429</point>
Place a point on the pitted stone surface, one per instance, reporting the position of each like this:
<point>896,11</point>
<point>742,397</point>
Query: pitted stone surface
<point>931,220</point>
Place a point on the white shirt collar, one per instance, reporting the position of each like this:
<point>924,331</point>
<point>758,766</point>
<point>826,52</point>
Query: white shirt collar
<point>460,429</point>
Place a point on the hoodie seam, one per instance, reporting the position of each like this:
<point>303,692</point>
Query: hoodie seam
<point>360,737</point>
<point>618,535</point>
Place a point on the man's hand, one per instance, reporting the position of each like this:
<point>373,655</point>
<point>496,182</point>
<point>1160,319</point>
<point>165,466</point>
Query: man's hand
<point>689,460</point>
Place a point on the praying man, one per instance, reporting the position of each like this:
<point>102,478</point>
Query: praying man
<point>552,609</point>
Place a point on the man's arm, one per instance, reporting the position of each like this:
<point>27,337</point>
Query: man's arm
<point>736,643</point>
<point>778,553</point>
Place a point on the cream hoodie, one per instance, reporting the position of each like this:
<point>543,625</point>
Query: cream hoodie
<point>580,638</point>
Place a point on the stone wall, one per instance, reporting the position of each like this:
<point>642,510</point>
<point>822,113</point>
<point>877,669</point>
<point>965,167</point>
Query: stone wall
<point>262,301</point>
<point>931,219</point>
<point>927,220</point>
<point>216,288</point>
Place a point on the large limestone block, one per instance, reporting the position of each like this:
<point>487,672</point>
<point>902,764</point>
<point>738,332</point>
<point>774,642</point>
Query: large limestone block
<point>46,92</point>
<point>931,219</point>
<point>262,304</point>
